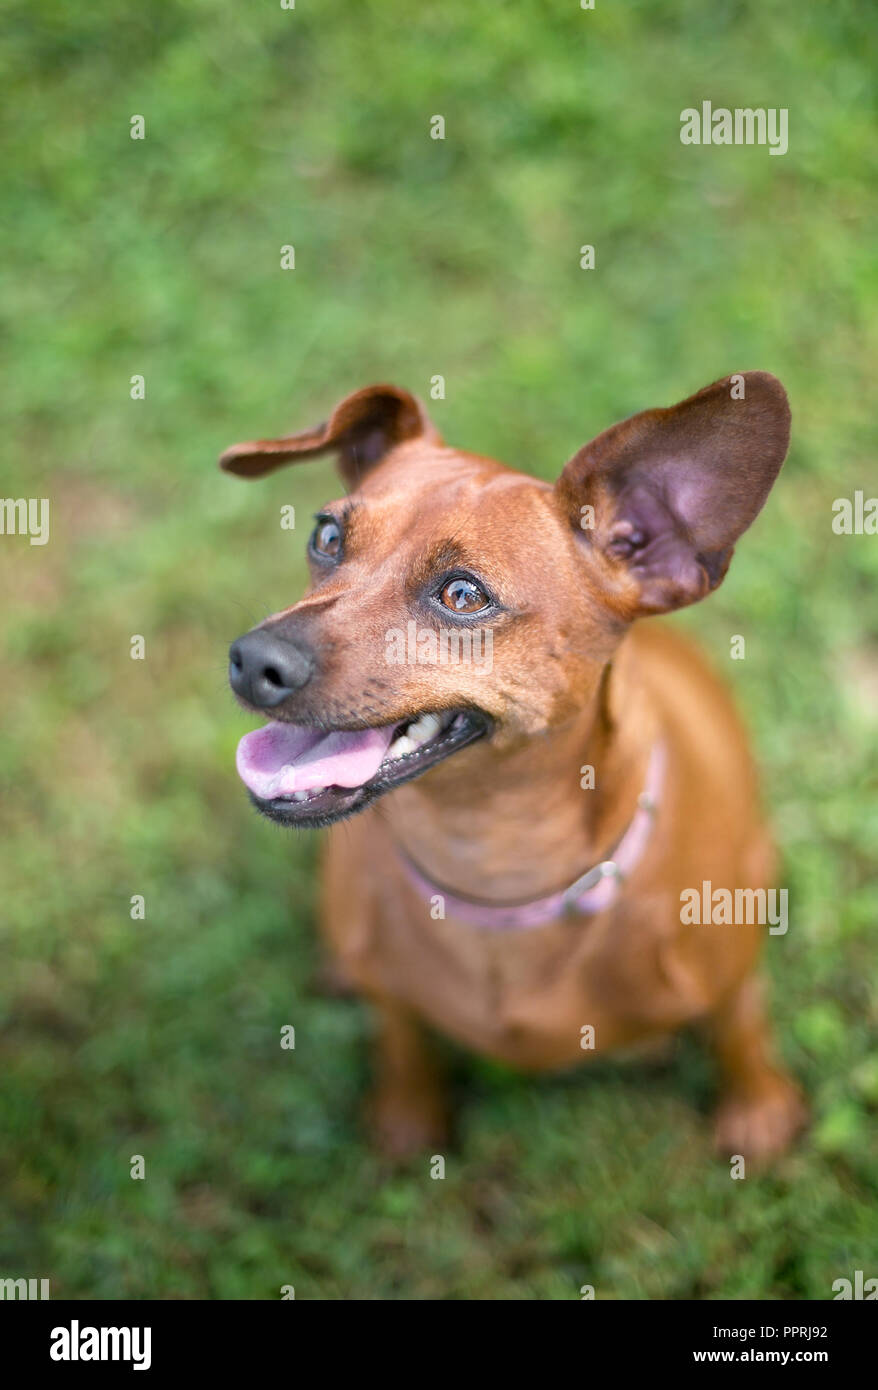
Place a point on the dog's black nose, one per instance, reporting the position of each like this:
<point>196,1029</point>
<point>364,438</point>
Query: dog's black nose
<point>265,669</point>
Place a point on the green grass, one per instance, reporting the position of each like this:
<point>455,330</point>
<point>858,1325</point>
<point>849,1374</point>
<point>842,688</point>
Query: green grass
<point>413,257</point>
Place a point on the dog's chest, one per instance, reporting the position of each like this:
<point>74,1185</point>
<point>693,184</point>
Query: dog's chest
<point>542,998</point>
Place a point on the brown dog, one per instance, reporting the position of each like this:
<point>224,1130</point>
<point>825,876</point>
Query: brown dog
<point>541,786</point>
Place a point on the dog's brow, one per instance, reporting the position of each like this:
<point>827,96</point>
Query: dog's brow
<point>341,514</point>
<point>445,555</point>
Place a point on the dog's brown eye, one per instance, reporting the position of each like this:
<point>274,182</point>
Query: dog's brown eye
<point>326,539</point>
<point>463,596</point>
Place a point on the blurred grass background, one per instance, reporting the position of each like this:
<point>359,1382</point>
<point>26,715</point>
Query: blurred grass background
<point>413,257</point>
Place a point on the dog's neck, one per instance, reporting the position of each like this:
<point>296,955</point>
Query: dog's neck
<point>512,824</point>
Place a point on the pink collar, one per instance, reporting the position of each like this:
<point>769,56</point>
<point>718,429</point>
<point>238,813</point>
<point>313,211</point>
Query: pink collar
<point>594,891</point>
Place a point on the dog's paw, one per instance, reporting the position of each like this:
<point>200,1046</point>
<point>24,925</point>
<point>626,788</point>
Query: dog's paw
<point>762,1121</point>
<point>403,1126</point>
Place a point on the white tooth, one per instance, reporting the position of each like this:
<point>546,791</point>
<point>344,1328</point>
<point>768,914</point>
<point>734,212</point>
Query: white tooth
<point>400,747</point>
<point>423,729</point>
<point>300,796</point>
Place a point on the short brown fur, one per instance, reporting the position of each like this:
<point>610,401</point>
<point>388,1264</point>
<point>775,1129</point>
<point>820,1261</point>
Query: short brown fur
<point>573,683</point>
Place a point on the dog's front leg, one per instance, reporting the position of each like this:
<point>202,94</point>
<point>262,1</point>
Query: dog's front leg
<point>761,1109</point>
<point>406,1110</point>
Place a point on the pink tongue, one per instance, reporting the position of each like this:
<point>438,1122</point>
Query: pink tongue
<point>283,758</point>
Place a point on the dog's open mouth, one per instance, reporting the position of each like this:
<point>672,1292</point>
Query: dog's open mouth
<point>311,777</point>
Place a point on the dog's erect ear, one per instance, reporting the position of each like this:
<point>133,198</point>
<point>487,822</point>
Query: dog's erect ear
<point>362,429</point>
<point>664,496</point>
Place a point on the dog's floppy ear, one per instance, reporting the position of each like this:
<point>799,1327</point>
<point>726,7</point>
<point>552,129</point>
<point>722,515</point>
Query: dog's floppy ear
<point>664,496</point>
<point>362,429</point>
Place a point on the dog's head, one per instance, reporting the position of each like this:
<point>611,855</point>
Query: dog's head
<point>453,599</point>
